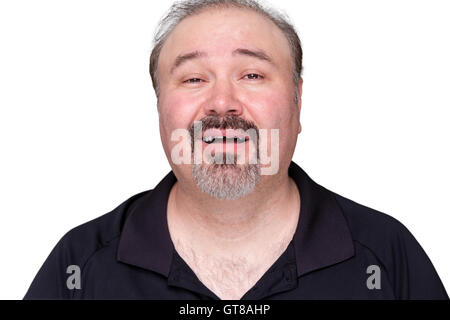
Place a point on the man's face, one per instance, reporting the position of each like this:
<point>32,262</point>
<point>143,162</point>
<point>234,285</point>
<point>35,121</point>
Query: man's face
<point>235,69</point>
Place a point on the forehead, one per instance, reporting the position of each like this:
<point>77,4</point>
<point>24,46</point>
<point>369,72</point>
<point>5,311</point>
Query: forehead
<point>219,31</point>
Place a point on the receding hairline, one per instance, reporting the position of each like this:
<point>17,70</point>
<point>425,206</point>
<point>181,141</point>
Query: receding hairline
<point>221,7</point>
<point>183,9</point>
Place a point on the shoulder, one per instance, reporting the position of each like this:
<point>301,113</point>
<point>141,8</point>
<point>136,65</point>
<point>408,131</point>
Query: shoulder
<point>84,240</point>
<point>370,226</point>
<point>76,248</point>
<point>385,236</point>
<point>411,273</point>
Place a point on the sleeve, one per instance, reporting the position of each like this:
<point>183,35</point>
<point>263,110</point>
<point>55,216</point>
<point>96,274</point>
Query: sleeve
<point>51,279</point>
<point>415,275</point>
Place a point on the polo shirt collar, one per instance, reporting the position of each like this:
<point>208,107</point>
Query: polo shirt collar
<point>322,237</point>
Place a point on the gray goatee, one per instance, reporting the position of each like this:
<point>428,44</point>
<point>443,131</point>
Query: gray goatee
<point>227,180</point>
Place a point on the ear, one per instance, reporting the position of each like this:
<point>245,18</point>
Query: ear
<point>300,89</point>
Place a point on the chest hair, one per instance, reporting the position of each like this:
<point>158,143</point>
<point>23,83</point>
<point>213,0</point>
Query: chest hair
<point>231,276</point>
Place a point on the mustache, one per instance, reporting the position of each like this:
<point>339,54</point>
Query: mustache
<point>227,122</point>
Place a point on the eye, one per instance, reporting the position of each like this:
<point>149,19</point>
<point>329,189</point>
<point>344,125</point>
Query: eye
<point>253,76</point>
<point>193,80</point>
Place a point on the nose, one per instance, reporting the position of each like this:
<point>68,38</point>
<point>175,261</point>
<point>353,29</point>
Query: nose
<point>223,101</point>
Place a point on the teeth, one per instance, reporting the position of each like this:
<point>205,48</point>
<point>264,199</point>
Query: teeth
<point>208,139</point>
<point>211,139</point>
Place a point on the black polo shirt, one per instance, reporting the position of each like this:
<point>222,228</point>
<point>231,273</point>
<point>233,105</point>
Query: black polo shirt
<point>340,250</point>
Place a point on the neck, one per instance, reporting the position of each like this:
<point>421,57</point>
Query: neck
<point>261,216</point>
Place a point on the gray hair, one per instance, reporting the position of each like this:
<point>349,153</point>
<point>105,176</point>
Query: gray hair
<point>182,9</point>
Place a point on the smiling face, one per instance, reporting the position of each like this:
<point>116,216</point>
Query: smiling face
<point>231,67</point>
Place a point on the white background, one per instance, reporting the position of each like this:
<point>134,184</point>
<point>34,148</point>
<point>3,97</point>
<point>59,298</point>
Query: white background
<point>79,128</point>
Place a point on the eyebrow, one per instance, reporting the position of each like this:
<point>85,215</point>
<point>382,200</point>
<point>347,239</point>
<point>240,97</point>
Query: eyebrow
<point>259,54</point>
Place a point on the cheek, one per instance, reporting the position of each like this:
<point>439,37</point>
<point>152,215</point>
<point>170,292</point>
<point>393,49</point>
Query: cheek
<point>176,112</point>
<point>275,109</point>
<point>272,109</point>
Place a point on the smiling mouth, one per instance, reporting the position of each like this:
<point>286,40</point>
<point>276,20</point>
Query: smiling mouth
<point>222,139</point>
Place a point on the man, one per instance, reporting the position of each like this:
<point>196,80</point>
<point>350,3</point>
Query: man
<point>235,218</point>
